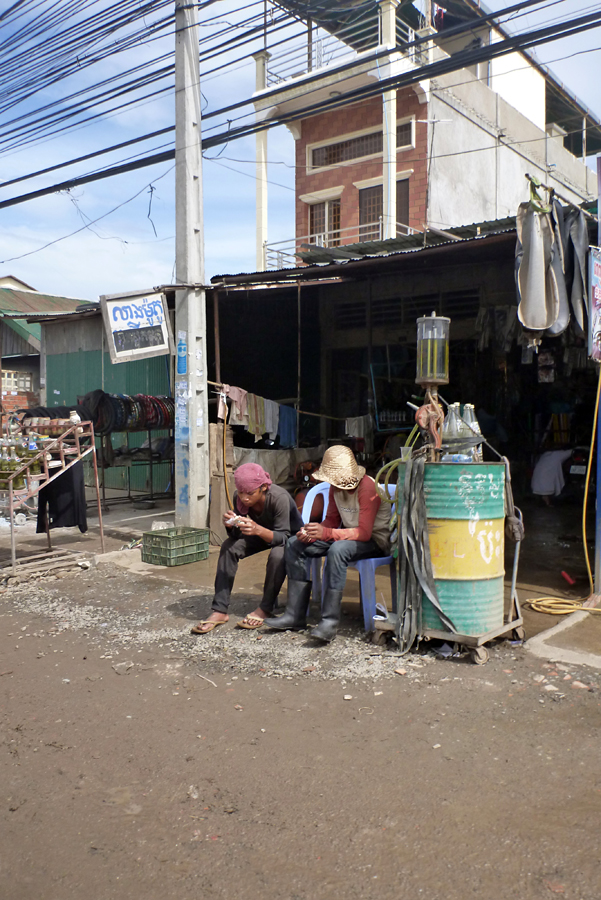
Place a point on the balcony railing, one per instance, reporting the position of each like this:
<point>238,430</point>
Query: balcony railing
<point>318,49</point>
<point>287,254</point>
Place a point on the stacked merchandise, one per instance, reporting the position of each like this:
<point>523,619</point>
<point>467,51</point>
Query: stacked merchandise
<point>120,412</point>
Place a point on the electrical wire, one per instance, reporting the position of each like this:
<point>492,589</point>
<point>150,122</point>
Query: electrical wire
<point>471,25</point>
<point>91,222</point>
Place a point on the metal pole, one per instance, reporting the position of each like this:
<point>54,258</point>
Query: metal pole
<point>298,362</point>
<point>389,127</point>
<point>597,572</point>
<point>11,509</point>
<point>190,388</point>
<point>99,504</point>
<point>217,338</point>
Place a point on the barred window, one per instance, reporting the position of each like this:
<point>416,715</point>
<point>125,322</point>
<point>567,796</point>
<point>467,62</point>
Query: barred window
<point>324,223</point>
<point>404,134</point>
<point>356,148</point>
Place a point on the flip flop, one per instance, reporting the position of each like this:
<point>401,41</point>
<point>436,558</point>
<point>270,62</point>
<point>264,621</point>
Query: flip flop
<point>251,622</point>
<point>196,629</point>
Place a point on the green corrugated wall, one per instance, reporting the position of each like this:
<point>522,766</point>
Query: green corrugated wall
<point>71,375</point>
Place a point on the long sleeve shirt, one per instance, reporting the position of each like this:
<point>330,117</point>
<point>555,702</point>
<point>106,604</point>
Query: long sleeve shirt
<point>279,514</point>
<point>369,504</point>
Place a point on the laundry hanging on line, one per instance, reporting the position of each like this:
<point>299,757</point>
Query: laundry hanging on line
<point>258,415</point>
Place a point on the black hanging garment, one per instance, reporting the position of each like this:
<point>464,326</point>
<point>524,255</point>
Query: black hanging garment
<point>66,501</point>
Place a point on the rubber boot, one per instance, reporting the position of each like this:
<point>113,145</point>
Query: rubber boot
<point>330,616</point>
<point>295,616</point>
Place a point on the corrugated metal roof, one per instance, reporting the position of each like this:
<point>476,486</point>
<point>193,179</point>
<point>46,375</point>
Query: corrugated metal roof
<point>20,304</point>
<point>327,265</point>
<point>404,242</point>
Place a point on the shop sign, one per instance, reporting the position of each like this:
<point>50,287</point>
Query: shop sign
<point>594,340</point>
<point>136,325</point>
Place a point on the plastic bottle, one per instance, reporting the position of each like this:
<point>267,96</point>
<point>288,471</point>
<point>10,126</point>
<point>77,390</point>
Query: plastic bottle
<point>32,451</point>
<point>469,415</point>
<point>4,464</point>
<point>464,432</point>
<point>16,463</point>
<point>182,352</point>
<point>453,429</point>
<point>450,433</point>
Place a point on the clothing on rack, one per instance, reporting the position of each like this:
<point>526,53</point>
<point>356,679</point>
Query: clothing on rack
<point>287,426</point>
<point>238,396</point>
<point>65,498</point>
<point>272,418</point>
<point>256,416</point>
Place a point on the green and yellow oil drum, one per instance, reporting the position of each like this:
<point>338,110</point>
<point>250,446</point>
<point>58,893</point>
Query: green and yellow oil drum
<point>465,506</point>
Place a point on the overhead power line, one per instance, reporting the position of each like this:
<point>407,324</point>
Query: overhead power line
<point>441,67</point>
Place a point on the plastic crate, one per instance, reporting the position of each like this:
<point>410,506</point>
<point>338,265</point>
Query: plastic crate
<point>175,546</point>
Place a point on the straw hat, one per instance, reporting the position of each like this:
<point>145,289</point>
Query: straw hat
<point>339,468</point>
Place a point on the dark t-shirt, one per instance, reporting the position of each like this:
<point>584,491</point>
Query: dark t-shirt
<point>279,515</point>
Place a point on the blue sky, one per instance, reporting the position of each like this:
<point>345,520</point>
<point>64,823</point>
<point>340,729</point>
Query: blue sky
<point>120,251</point>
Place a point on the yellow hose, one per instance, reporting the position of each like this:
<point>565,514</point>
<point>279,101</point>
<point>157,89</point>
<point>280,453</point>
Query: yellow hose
<point>562,606</point>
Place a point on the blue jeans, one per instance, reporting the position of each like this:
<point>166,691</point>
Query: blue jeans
<point>338,555</point>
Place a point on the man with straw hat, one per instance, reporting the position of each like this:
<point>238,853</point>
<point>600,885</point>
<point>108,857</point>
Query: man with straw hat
<point>355,527</point>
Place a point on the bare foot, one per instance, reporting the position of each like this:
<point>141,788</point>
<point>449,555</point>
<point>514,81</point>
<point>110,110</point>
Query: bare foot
<point>254,619</point>
<point>259,613</point>
<point>215,618</point>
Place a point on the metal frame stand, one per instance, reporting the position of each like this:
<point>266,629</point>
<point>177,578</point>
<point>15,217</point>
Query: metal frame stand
<point>69,451</point>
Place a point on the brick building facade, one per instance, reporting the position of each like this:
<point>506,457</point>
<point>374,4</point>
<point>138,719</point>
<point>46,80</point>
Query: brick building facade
<point>346,179</point>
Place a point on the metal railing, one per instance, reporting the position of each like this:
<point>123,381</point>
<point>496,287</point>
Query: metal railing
<point>286,254</point>
<point>318,49</point>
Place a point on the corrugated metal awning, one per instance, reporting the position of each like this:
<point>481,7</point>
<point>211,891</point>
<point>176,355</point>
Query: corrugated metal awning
<point>21,304</point>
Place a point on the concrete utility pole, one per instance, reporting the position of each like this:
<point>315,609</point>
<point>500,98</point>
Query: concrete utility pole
<point>191,414</point>
<point>261,58</point>
<point>389,168</point>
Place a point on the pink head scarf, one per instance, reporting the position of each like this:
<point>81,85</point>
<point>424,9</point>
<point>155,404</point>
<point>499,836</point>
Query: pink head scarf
<point>248,478</point>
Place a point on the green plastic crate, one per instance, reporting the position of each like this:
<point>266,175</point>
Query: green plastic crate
<point>175,546</point>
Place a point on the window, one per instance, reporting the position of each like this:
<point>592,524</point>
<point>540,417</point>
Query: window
<point>404,135</point>
<point>358,147</point>
<point>402,205</point>
<point>324,223</point>
<point>16,381</point>
<point>371,210</point>
<point>355,148</point>
<point>370,213</point>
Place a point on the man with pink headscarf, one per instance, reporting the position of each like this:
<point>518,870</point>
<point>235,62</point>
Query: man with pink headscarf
<point>263,518</point>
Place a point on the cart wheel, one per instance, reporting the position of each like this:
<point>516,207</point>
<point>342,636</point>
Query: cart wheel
<point>479,655</point>
<point>519,634</point>
<point>379,638</point>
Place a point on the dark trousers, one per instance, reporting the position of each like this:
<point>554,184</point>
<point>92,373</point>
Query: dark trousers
<point>338,555</point>
<point>232,551</point>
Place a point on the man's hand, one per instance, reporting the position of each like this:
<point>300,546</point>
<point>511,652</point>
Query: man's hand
<point>248,526</point>
<point>227,517</point>
<point>309,533</point>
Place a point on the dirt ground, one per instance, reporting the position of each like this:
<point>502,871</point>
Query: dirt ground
<point>140,763</point>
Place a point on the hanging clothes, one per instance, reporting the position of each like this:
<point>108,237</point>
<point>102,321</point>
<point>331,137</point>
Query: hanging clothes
<point>65,498</point>
<point>238,413</point>
<point>287,426</point>
<point>272,418</point>
<point>256,416</point>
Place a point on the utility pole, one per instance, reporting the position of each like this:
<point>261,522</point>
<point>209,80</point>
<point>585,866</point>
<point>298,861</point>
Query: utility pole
<point>191,413</point>
<point>389,156</point>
